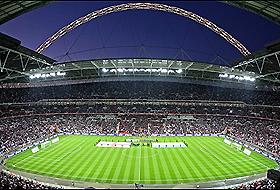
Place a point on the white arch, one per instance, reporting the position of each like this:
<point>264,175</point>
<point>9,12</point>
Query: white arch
<point>147,6</point>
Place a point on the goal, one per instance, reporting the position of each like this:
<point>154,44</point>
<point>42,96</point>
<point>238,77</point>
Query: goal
<point>45,144</point>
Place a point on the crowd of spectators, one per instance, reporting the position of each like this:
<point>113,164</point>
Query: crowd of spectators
<point>140,90</point>
<point>259,184</point>
<point>10,181</point>
<point>118,107</point>
<point>19,131</point>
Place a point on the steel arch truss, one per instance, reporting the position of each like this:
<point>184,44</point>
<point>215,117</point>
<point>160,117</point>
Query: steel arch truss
<point>147,6</point>
<point>15,64</point>
<point>266,66</point>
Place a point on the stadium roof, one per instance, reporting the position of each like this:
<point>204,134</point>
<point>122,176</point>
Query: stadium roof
<point>268,9</point>
<point>12,9</point>
<point>16,59</point>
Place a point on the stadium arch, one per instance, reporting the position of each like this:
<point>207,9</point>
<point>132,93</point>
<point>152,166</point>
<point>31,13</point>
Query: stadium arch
<point>146,6</point>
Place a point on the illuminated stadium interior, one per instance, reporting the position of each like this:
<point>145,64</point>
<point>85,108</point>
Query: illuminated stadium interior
<point>139,95</point>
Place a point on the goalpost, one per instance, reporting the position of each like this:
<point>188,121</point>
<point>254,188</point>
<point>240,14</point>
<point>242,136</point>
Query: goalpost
<point>237,146</point>
<point>45,144</point>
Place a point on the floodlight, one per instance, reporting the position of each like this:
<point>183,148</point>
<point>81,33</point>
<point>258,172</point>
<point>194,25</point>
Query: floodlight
<point>179,71</point>
<point>164,70</point>
<point>52,74</point>
<point>231,76</point>
<point>120,70</point>
<point>252,79</point>
<point>246,77</point>
<point>104,70</point>
<point>38,75</point>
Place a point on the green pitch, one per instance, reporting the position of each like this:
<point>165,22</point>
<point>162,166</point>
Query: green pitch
<point>77,158</point>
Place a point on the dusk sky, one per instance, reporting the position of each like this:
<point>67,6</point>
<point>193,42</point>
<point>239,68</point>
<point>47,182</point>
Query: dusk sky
<point>161,34</point>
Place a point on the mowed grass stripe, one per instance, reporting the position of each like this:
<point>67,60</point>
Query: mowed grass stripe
<point>233,157</point>
<point>163,173</point>
<point>174,171</point>
<point>181,166</point>
<point>237,159</point>
<point>114,166</point>
<point>99,154</point>
<point>85,158</point>
<point>77,157</point>
<point>103,169</point>
<point>209,159</point>
<point>187,160</point>
<point>132,171</point>
<point>169,165</point>
<point>69,162</point>
<point>195,163</point>
<point>39,161</point>
<point>226,159</point>
<point>120,173</point>
<point>208,162</point>
<point>145,165</point>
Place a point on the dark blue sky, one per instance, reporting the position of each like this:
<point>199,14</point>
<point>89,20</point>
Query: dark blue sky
<point>160,33</point>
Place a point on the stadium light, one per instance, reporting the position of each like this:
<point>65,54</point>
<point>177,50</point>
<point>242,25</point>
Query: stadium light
<point>120,70</point>
<point>241,78</point>
<point>38,75</point>
<point>231,76</point>
<point>179,71</point>
<point>154,70</point>
<point>148,70</point>
<point>47,75</point>
<point>32,77</point>
<point>60,73</point>
<point>163,71</point>
<point>52,74</point>
<point>104,70</point>
<point>252,79</point>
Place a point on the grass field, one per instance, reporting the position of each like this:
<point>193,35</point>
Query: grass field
<point>77,158</point>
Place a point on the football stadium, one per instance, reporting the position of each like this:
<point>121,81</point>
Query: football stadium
<point>139,95</point>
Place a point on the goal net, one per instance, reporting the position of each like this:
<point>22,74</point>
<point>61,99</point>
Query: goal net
<point>45,144</point>
<point>237,146</point>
